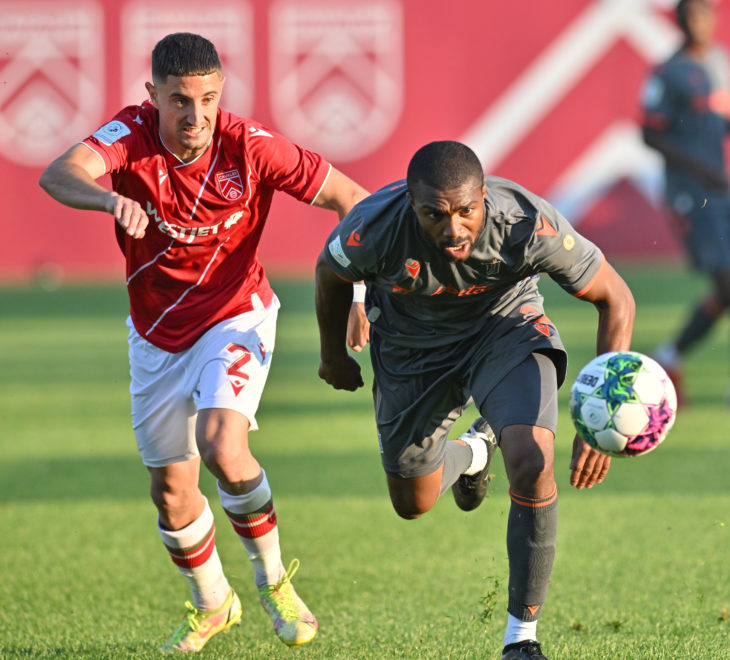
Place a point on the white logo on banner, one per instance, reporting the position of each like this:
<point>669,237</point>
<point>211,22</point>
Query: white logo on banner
<point>228,24</point>
<point>51,67</point>
<point>618,152</point>
<point>337,74</point>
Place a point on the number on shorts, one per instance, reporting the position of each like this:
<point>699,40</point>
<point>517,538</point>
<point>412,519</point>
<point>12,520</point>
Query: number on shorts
<point>238,377</point>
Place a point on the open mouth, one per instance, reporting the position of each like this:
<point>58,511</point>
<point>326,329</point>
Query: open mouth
<point>459,251</point>
<point>193,132</point>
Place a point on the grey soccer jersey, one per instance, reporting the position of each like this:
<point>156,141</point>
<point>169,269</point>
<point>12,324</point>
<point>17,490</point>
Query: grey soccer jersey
<point>420,299</point>
<point>688,98</point>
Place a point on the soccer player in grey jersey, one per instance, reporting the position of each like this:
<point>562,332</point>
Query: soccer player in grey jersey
<point>686,105</point>
<point>450,260</point>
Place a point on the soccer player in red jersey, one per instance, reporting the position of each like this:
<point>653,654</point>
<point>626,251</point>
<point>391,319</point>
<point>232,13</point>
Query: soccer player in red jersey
<point>191,189</point>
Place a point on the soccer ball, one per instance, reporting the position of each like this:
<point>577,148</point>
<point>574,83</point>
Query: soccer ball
<point>623,403</point>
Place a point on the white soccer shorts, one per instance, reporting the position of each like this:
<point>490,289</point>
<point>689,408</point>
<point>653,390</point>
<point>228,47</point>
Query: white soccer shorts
<point>226,368</point>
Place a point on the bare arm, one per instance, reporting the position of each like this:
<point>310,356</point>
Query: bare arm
<point>707,174</point>
<point>71,180</point>
<point>616,310</point>
<point>340,194</point>
<point>332,300</point>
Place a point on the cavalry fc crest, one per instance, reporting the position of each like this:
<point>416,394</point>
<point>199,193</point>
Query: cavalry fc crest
<point>51,69</point>
<point>230,184</point>
<point>337,74</point>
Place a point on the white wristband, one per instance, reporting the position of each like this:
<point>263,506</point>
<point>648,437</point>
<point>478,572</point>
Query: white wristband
<point>358,293</point>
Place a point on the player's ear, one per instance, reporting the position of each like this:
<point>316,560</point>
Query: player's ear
<point>410,200</point>
<point>153,94</point>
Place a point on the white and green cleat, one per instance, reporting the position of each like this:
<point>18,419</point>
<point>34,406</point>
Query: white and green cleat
<point>293,623</point>
<point>198,627</point>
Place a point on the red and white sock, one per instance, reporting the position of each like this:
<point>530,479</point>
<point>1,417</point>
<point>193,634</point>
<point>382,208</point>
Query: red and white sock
<point>254,519</point>
<point>193,551</point>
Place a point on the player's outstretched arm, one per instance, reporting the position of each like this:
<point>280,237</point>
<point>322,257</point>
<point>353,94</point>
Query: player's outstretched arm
<point>707,173</point>
<point>616,310</point>
<point>332,300</point>
<point>71,180</point>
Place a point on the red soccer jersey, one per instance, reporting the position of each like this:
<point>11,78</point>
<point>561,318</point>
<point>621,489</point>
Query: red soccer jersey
<point>198,261</point>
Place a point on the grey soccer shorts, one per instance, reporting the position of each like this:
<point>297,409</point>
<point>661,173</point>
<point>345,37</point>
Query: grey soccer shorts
<point>705,231</point>
<point>416,404</point>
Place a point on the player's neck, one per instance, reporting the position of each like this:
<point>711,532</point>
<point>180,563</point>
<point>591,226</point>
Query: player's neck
<point>697,49</point>
<point>190,159</point>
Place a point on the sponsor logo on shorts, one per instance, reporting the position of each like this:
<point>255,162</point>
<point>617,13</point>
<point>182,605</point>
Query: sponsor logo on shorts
<point>540,322</point>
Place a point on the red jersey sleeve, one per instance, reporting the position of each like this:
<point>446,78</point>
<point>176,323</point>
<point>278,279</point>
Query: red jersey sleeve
<point>114,141</point>
<point>283,165</point>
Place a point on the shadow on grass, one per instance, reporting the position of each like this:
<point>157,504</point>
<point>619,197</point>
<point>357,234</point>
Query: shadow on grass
<point>356,474</point>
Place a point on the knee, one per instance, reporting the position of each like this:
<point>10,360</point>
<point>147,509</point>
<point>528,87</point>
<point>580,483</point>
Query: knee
<point>408,510</point>
<point>530,476</point>
<point>410,500</point>
<point>177,505</point>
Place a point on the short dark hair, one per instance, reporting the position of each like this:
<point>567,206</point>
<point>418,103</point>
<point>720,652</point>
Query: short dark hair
<point>681,12</point>
<point>444,165</point>
<point>184,54</point>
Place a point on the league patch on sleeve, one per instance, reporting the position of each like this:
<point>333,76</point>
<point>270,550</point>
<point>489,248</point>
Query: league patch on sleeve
<point>652,92</point>
<point>338,254</point>
<point>111,132</point>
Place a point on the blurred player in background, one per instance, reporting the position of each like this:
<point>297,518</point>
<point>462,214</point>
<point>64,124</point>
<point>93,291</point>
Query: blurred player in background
<point>192,186</point>
<point>450,266</point>
<point>686,103</point>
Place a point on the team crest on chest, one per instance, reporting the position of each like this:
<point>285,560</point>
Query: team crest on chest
<point>413,267</point>
<point>230,184</point>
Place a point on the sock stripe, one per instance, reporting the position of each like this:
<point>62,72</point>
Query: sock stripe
<point>713,307</point>
<point>532,503</point>
<point>253,525</point>
<point>195,555</point>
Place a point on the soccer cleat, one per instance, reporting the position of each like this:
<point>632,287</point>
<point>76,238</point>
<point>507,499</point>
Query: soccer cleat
<point>525,650</point>
<point>293,623</point>
<point>198,627</point>
<point>469,489</point>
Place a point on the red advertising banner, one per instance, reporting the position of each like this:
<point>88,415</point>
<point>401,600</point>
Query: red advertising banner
<point>547,93</point>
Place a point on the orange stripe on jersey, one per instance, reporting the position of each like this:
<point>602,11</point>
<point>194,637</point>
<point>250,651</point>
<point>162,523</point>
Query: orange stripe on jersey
<point>534,504</point>
<point>344,279</point>
<point>588,286</point>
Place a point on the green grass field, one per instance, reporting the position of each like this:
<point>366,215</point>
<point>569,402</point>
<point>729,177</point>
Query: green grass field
<point>643,564</point>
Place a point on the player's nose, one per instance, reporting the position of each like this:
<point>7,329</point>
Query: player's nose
<point>452,227</point>
<point>196,114</point>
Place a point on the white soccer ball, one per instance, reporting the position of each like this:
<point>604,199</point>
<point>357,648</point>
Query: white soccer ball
<point>623,403</point>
